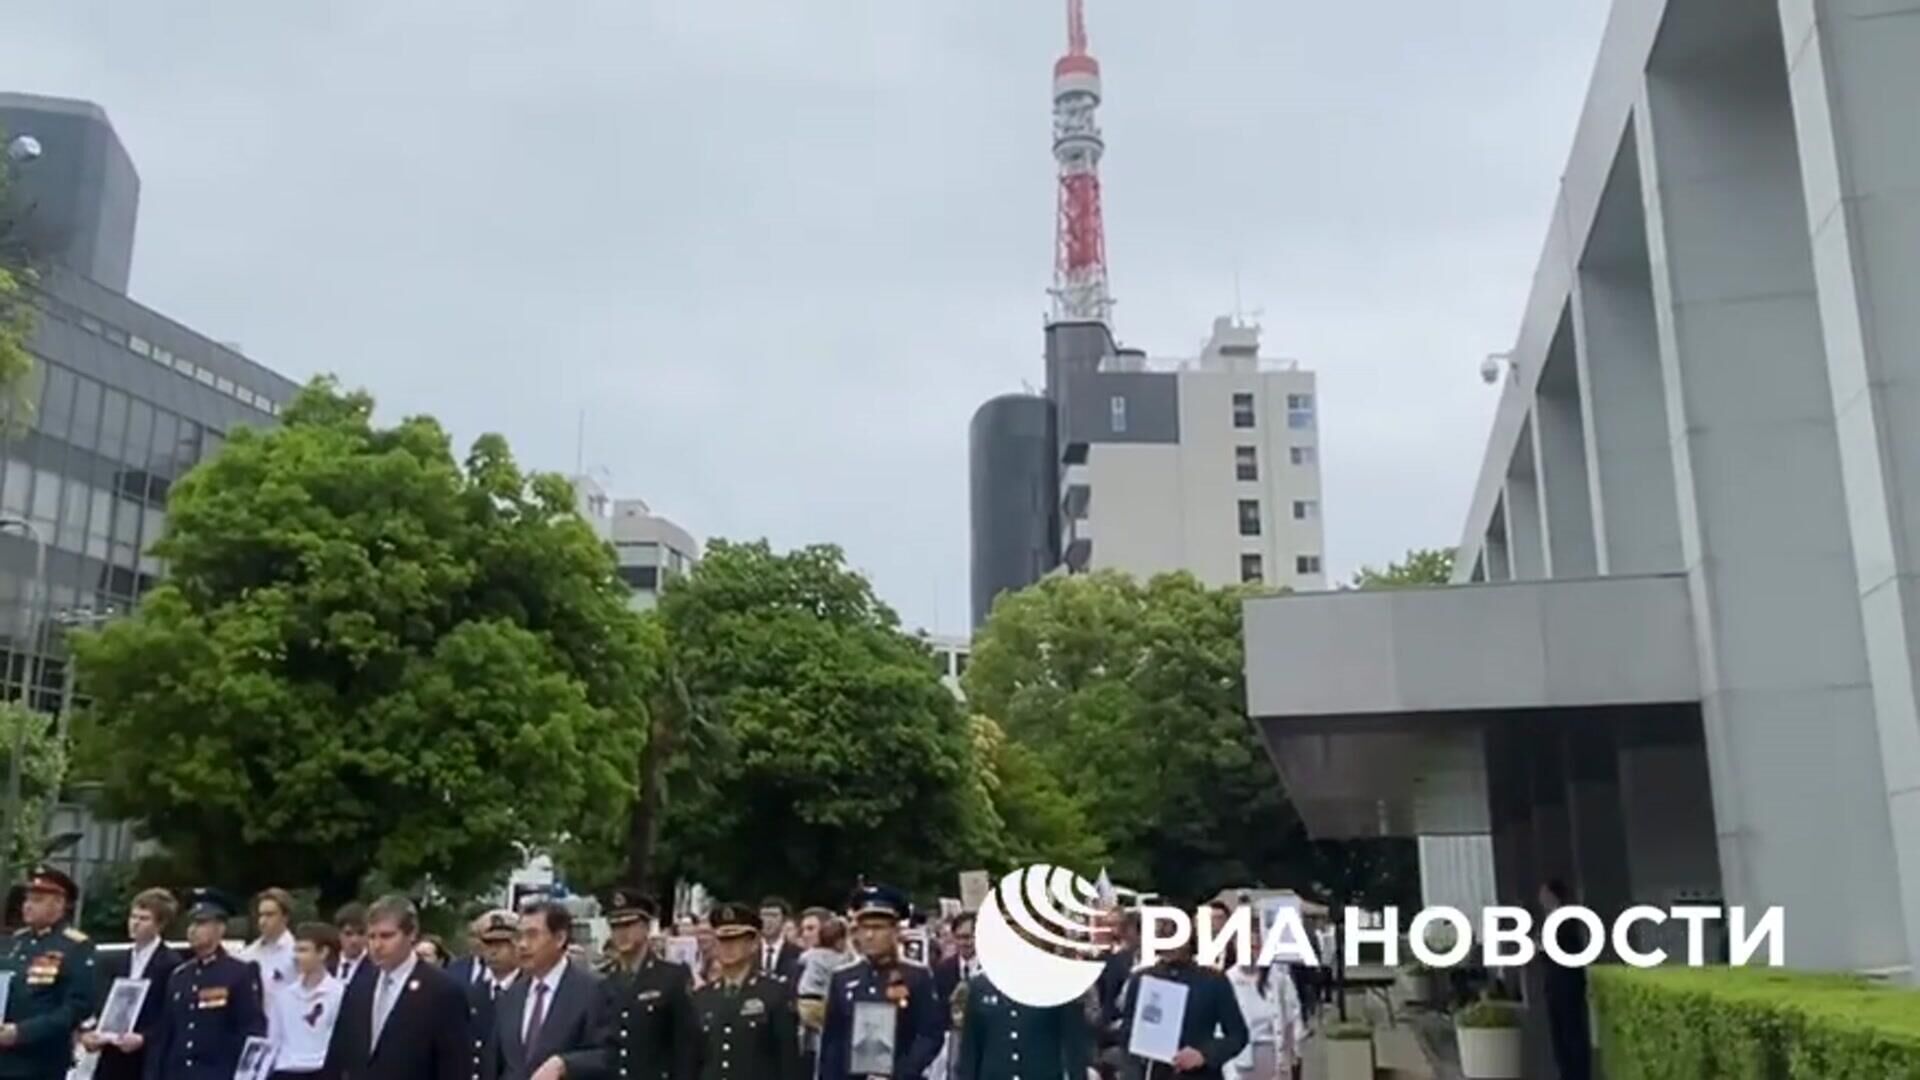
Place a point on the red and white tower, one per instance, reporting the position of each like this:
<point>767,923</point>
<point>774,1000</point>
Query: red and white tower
<point>1080,252</point>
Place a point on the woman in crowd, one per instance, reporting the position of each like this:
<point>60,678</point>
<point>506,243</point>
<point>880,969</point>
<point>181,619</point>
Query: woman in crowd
<point>432,950</point>
<point>1276,1025</point>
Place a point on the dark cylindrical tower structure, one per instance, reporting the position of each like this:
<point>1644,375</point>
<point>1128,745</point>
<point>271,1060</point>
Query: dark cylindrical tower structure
<point>1015,490</point>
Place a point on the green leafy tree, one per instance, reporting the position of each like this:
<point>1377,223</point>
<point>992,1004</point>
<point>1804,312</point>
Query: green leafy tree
<point>1131,695</point>
<point>1422,566</point>
<point>368,656</point>
<point>43,767</point>
<point>1038,821</point>
<point>828,747</point>
<point>16,274</point>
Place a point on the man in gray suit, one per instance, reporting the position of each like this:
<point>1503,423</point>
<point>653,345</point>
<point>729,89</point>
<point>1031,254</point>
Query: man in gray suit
<point>549,1024</point>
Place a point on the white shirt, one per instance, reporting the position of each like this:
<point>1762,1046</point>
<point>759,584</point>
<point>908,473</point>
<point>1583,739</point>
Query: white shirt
<point>499,987</point>
<point>276,963</point>
<point>551,980</point>
<point>142,956</point>
<point>1269,1015</point>
<point>302,1021</point>
<point>391,985</point>
<point>349,966</point>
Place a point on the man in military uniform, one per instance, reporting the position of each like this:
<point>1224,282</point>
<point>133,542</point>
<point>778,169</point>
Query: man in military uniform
<point>50,968</point>
<point>1001,1039</point>
<point>749,1030</point>
<point>855,1040</point>
<point>499,963</point>
<point>648,1002</point>
<point>214,1003</point>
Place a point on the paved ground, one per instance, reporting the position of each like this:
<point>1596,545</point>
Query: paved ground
<point>1402,1052</point>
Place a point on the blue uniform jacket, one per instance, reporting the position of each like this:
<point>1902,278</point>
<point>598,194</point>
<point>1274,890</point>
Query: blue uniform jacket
<point>920,1023</point>
<point>51,993</point>
<point>212,1007</point>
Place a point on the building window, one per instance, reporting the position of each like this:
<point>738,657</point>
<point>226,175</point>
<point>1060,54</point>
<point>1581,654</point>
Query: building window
<point>1306,509</point>
<point>1246,463</point>
<point>1117,407</point>
<point>641,577</point>
<point>140,345</point>
<point>1249,517</point>
<point>1243,410</point>
<point>1253,569</point>
<point>1305,455</point>
<point>1306,564</point>
<point>1300,412</point>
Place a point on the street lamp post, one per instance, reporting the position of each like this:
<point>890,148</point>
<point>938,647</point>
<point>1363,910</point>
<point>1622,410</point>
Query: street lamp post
<point>30,531</point>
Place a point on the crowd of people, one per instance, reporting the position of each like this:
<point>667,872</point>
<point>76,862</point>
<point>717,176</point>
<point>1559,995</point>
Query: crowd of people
<point>833,994</point>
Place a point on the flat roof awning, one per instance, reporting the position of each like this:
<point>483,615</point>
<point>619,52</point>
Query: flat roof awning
<point>1371,702</point>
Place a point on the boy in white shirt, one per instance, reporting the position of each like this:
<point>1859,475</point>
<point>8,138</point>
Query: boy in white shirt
<point>301,1016</point>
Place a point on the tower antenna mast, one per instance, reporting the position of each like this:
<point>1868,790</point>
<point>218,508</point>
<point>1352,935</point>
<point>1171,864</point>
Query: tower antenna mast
<point>1079,290</point>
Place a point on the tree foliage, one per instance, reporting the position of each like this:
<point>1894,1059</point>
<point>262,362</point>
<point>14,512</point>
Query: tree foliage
<point>1421,566</point>
<point>16,274</point>
<point>1132,695</point>
<point>368,656</point>
<point>43,767</point>
<point>828,747</point>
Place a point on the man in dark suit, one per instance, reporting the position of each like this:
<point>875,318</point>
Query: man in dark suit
<point>778,957</point>
<point>213,1001</point>
<point>351,923</point>
<point>402,1019</point>
<point>549,1025</point>
<point>470,969</point>
<point>962,965</point>
<point>1212,1031</point>
<point>123,1055</point>
<point>500,966</point>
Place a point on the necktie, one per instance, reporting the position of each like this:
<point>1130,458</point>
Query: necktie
<point>539,1013</point>
<point>382,1005</point>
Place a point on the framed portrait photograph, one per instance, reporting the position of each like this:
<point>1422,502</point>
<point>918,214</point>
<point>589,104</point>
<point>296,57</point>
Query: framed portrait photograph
<point>1159,1010</point>
<point>874,1025</point>
<point>122,1007</point>
<point>684,951</point>
<point>913,946</point>
<point>256,1060</point>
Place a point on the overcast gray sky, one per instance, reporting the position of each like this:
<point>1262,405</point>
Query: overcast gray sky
<point>779,250</point>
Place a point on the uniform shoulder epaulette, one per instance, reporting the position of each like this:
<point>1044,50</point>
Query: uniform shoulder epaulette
<point>22,932</point>
<point>75,935</point>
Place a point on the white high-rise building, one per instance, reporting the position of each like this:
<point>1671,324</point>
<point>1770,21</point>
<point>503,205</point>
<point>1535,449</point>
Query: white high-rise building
<point>1209,465</point>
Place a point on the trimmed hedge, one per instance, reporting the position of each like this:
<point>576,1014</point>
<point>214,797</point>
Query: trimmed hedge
<point>1758,1023</point>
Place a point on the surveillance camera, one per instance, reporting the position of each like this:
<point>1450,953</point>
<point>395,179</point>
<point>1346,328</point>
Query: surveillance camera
<point>23,149</point>
<point>1490,370</point>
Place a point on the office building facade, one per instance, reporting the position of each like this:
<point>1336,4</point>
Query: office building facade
<point>1209,465</point>
<point>122,402</point>
<point>1680,660</point>
<point>651,550</point>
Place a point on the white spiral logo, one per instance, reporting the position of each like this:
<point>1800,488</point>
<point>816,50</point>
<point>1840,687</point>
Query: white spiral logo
<point>1039,936</point>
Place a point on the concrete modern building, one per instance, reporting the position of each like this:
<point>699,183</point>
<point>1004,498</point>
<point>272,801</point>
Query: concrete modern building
<point>124,402</point>
<point>1680,661</point>
<point>1209,465</point>
<point>651,550</point>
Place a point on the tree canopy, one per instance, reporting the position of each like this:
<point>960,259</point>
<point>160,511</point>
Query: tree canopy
<point>16,273</point>
<point>828,746</point>
<point>368,656</point>
<point>1131,694</point>
<point>1421,566</point>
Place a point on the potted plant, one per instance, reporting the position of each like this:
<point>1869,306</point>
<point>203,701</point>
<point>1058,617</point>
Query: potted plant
<point>1420,984</point>
<point>1349,1050</point>
<point>1489,1038</point>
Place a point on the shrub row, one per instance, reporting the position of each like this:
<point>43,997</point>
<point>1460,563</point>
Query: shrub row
<point>1753,1024</point>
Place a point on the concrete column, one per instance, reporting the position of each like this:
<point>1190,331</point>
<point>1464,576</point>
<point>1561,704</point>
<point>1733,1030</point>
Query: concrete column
<point>1595,816</point>
<point>1854,82</point>
<point>1560,451</point>
<point>1629,452</point>
<point>1791,735</point>
<point>1526,524</point>
<point>1552,824</point>
<point>1499,557</point>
